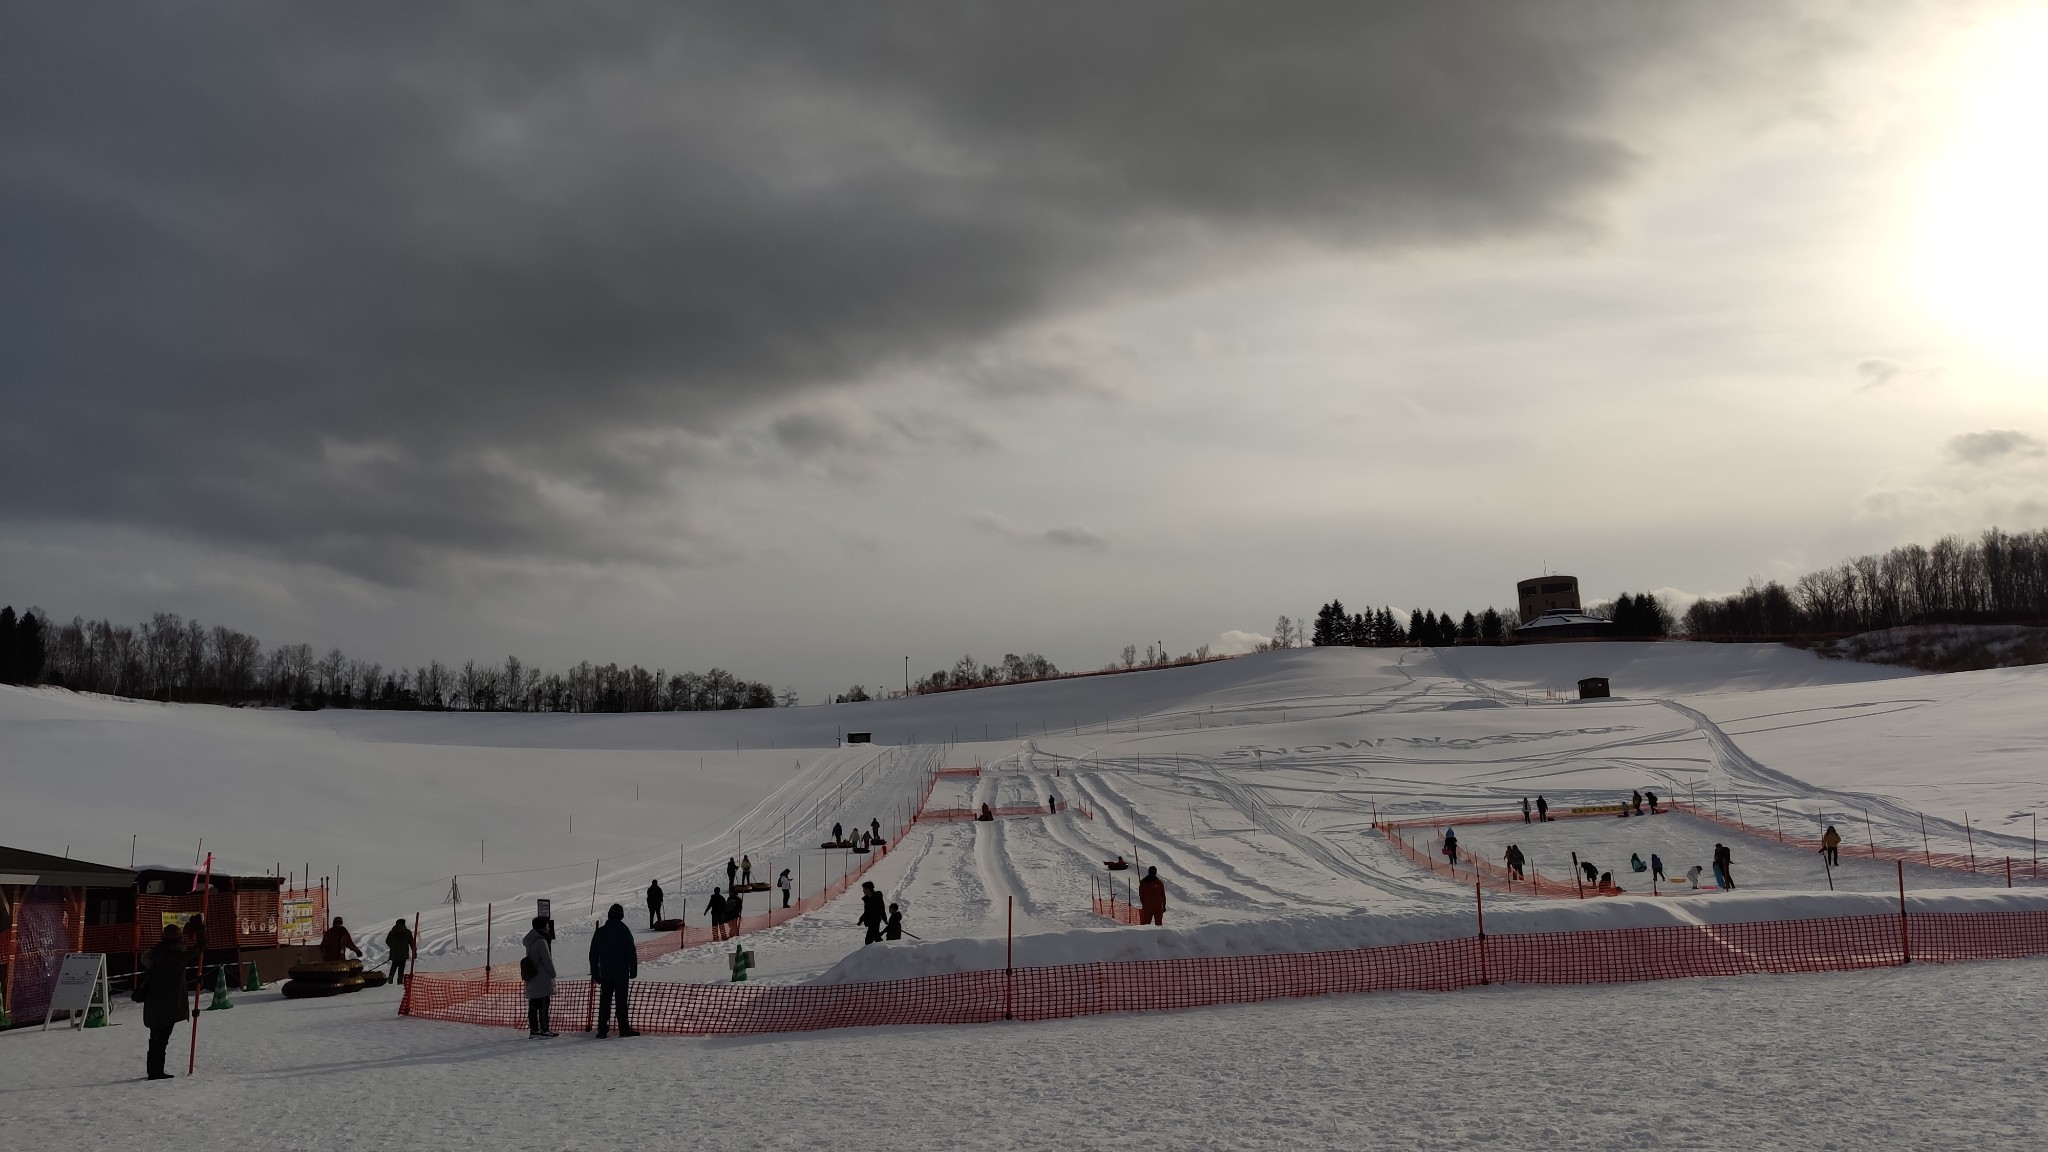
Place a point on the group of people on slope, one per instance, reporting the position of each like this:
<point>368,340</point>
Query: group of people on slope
<point>866,841</point>
<point>880,925</point>
<point>725,911</point>
<point>1541,811</point>
<point>1633,806</point>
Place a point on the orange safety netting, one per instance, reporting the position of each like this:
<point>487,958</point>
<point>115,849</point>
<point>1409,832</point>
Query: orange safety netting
<point>1594,957</point>
<point>1870,849</point>
<point>1003,812</point>
<point>1470,869</point>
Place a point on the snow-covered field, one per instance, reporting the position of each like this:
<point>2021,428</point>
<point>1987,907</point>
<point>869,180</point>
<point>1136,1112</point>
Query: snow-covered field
<point>1251,784</point>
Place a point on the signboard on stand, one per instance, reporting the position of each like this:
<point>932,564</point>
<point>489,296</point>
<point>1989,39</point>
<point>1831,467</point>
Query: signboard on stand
<point>297,918</point>
<point>81,988</point>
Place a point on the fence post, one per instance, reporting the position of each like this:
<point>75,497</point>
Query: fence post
<point>1925,854</point>
<point>2008,871</point>
<point>205,913</point>
<point>1576,874</point>
<point>1009,955</point>
<point>487,944</point>
<point>1905,941</point>
<point>1479,902</point>
<point>1972,835</point>
<point>1872,835</point>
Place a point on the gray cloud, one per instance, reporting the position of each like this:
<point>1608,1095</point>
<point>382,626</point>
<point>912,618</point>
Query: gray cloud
<point>1066,537</point>
<point>1985,447</point>
<point>1877,371</point>
<point>387,287</point>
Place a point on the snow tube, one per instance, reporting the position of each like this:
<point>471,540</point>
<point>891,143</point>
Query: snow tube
<point>375,978</point>
<point>300,990</point>
<point>326,971</point>
<point>669,925</point>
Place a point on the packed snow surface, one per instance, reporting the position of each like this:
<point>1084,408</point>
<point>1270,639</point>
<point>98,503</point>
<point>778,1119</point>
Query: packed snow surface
<point>1251,785</point>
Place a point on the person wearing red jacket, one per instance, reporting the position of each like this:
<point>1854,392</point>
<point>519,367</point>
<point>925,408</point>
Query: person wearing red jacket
<point>336,941</point>
<point>1152,899</point>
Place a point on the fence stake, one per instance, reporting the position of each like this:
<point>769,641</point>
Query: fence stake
<point>412,962</point>
<point>594,866</point>
<point>1009,954</point>
<point>1780,818</point>
<point>1576,874</point>
<point>487,944</point>
<point>1479,901</point>
<point>1972,835</point>
<point>1872,835</point>
<point>2008,871</point>
<point>1905,941</point>
<point>1924,853</point>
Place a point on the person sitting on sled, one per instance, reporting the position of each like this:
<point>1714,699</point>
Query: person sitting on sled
<point>1635,863</point>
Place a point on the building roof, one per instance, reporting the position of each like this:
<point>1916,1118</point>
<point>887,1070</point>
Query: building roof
<point>21,866</point>
<point>1565,618</point>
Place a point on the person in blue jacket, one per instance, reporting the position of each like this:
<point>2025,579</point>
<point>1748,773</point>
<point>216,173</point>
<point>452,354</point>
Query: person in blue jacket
<point>614,961</point>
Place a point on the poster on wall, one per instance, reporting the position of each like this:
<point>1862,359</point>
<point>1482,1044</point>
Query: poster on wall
<point>297,919</point>
<point>178,919</point>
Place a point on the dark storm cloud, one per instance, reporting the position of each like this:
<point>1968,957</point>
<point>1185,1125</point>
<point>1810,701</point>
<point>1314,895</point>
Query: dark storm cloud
<point>381,286</point>
<point>1992,445</point>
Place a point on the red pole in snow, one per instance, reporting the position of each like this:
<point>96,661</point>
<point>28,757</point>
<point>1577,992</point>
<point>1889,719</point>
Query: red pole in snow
<point>1009,954</point>
<point>1905,942</point>
<point>205,908</point>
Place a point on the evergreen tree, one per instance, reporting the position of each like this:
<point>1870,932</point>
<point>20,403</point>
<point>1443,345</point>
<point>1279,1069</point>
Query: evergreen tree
<point>28,650</point>
<point>1360,631</point>
<point>1416,634</point>
<point>1490,626</point>
<point>1331,625</point>
<point>1468,628</point>
<point>1386,629</point>
<point>7,643</point>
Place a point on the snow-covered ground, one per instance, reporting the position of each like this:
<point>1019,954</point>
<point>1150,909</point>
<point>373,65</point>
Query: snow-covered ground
<point>1251,784</point>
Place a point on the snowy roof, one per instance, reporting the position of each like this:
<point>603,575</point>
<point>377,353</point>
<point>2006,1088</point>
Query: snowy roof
<point>1565,618</point>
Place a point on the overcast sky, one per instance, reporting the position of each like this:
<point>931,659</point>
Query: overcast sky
<point>798,338</point>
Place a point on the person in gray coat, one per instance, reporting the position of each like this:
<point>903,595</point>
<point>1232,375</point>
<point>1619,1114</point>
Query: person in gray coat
<point>161,988</point>
<point>539,971</point>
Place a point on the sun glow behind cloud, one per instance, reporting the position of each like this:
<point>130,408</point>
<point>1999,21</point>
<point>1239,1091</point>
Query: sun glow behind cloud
<point>1984,258</point>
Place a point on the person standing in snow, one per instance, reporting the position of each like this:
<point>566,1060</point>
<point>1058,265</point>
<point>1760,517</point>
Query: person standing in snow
<point>1451,845</point>
<point>1637,800</point>
<point>1723,860</point>
<point>1592,872</point>
<point>782,882</point>
<point>1831,846</point>
<point>732,872</point>
<point>715,909</point>
<point>746,869</point>
<point>871,916</point>
<point>894,931</point>
<point>875,826</point>
<point>1152,898</point>
<point>1692,874</point>
<point>614,964</point>
<point>335,943</point>
<point>735,907</point>
<point>1652,798</point>
<point>1052,803</point>
<point>653,903</point>
<point>1525,809</point>
<point>1657,868</point>
<point>161,989</point>
<point>1514,862</point>
<point>1542,810</point>
<point>838,834</point>
<point>398,942</point>
<point>538,971</point>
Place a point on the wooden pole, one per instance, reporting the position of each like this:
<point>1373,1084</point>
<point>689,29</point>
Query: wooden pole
<point>1870,834</point>
<point>1972,836</point>
<point>1479,902</point>
<point>489,923</point>
<point>1779,817</point>
<point>1905,941</point>
<point>1925,853</point>
<point>1009,955</point>
<point>594,866</point>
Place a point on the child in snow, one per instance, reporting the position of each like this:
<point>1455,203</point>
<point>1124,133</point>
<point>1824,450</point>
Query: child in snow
<point>1451,845</point>
<point>1591,872</point>
<point>894,931</point>
<point>1635,863</point>
<point>1657,867</point>
<point>1831,846</point>
<point>1693,874</point>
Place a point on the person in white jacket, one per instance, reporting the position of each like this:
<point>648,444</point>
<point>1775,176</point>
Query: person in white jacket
<point>782,882</point>
<point>538,968</point>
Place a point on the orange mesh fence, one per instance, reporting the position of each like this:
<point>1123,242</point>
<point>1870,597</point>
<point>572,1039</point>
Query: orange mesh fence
<point>1001,812</point>
<point>1121,911</point>
<point>2029,869</point>
<point>1622,955</point>
<point>1469,868</point>
<point>951,773</point>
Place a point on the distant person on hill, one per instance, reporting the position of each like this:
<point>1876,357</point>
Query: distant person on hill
<point>732,871</point>
<point>875,826</point>
<point>537,969</point>
<point>1525,809</point>
<point>1592,873</point>
<point>1831,846</point>
<point>1052,803</point>
<point>1451,845</point>
<point>1724,863</point>
<point>1635,863</point>
<point>715,908</point>
<point>653,902</point>
<point>871,915</point>
<point>1513,859</point>
<point>1652,798</point>
<point>838,834</point>
<point>986,814</point>
<point>894,931</point>
<point>161,988</point>
<point>867,842</point>
<point>1542,810</point>
<point>746,869</point>
<point>782,882</point>
<point>1657,867</point>
<point>336,942</point>
<point>1607,883</point>
<point>614,963</point>
<point>398,942</point>
<point>1152,898</point>
<point>735,907</point>
<point>1692,874</point>
<point>1637,801</point>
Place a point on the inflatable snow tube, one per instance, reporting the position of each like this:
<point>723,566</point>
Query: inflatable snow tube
<point>668,925</point>
<point>375,979</point>
<point>300,990</point>
<point>326,971</point>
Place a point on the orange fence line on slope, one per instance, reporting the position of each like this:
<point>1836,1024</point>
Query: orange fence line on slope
<point>1586,957</point>
<point>1469,868</point>
<point>1870,849</point>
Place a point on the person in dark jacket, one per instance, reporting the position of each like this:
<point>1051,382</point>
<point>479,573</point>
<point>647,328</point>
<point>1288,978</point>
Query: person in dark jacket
<point>398,942</point>
<point>1542,810</point>
<point>1152,899</point>
<point>1651,797</point>
<point>1657,868</point>
<point>732,872</point>
<point>1451,845</point>
<point>838,834</point>
<point>1592,873</point>
<point>871,915</point>
<point>875,826</point>
<point>715,908</point>
<point>335,943</point>
<point>162,990</point>
<point>1724,863</point>
<point>1513,859</point>
<point>540,987</point>
<point>735,907</point>
<point>894,931</point>
<point>1052,803</point>
<point>614,962</point>
<point>653,902</point>
<point>985,813</point>
<point>1636,799</point>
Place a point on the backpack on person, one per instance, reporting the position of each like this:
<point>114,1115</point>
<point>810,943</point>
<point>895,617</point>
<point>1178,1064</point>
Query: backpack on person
<point>527,969</point>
